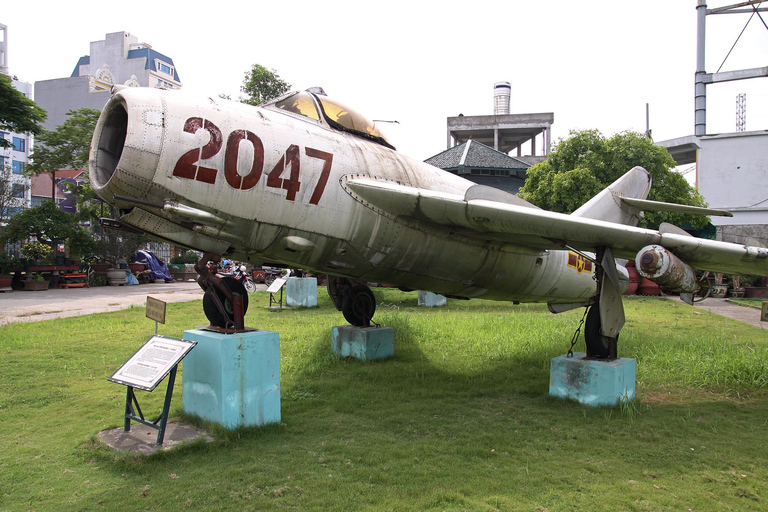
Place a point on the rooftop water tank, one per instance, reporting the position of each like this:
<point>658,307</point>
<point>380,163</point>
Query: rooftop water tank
<point>501,93</point>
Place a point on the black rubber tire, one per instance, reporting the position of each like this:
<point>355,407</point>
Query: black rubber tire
<point>213,314</point>
<point>597,344</point>
<point>249,285</point>
<point>269,279</point>
<point>358,306</point>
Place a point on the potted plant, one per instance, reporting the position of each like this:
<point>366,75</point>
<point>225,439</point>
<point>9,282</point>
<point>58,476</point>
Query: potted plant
<point>737,291</point>
<point>35,251</point>
<point>719,289</point>
<point>111,247</point>
<point>35,282</point>
<point>754,287</point>
<point>7,264</point>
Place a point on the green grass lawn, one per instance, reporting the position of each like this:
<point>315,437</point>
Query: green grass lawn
<point>459,419</point>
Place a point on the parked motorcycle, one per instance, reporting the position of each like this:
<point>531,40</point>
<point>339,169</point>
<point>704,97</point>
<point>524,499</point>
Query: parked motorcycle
<point>241,275</point>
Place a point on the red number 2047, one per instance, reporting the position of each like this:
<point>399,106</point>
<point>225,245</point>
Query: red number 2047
<point>187,166</point>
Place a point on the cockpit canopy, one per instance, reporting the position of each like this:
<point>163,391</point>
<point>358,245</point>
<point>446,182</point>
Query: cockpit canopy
<point>340,117</point>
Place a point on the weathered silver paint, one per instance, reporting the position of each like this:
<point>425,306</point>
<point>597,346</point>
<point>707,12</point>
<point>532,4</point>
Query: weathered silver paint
<point>665,269</point>
<point>381,216</point>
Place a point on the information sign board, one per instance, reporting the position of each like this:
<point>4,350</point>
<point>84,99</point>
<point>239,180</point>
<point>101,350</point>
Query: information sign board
<point>276,285</point>
<point>151,363</point>
<point>155,309</point>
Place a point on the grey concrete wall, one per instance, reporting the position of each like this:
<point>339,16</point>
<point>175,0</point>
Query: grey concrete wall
<point>61,95</point>
<point>733,174</point>
<point>738,233</point>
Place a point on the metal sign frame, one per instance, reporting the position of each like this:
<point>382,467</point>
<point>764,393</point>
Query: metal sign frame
<point>147,358</point>
<point>277,285</point>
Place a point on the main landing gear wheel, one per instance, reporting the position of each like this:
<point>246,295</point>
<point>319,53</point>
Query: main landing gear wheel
<point>597,344</point>
<point>216,317</point>
<point>358,306</point>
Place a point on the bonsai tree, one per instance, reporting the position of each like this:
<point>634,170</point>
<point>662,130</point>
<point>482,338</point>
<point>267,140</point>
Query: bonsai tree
<point>50,226</point>
<point>35,250</point>
<point>111,245</point>
<point>8,263</point>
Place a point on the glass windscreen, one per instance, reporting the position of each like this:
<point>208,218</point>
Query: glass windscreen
<point>300,103</point>
<point>350,119</point>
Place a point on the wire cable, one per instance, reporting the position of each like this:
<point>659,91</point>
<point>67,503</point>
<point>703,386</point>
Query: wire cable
<point>735,42</point>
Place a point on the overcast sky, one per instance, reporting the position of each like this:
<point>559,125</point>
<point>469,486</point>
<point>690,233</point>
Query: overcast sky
<point>594,64</point>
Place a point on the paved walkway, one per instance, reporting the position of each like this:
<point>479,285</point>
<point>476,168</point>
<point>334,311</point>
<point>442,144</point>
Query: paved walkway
<point>25,306</point>
<point>724,307</point>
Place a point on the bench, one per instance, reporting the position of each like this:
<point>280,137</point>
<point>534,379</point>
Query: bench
<point>73,280</point>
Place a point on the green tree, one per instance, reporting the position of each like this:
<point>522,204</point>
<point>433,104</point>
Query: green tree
<point>586,162</point>
<point>50,226</point>
<point>66,147</point>
<point>262,84</point>
<point>17,112</point>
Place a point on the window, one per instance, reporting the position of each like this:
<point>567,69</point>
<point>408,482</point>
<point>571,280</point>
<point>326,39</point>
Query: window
<point>162,67</point>
<point>17,167</point>
<point>2,163</point>
<point>18,190</point>
<point>299,103</point>
<point>19,144</point>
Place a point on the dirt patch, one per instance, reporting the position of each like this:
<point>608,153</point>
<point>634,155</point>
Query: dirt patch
<point>35,313</point>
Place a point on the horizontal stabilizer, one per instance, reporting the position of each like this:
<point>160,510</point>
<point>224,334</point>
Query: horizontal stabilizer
<point>659,206</point>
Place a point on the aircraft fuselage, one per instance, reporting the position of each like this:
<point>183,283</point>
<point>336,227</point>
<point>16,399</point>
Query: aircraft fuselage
<point>262,185</point>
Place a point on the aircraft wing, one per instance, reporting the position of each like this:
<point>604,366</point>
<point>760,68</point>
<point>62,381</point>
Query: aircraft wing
<point>524,225</point>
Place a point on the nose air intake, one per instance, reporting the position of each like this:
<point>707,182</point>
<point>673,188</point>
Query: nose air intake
<point>108,142</point>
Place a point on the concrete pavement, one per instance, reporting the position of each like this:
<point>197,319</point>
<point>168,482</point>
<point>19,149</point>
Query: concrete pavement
<point>26,306</point>
<point>724,307</point>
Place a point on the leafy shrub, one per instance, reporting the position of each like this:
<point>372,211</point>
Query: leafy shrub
<point>36,250</point>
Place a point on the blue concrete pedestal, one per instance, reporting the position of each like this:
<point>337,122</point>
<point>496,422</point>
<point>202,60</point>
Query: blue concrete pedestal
<point>233,379</point>
<point>364,343</point>
<point>595,383</point>
<point>431,300</point>
<point>301,291</point>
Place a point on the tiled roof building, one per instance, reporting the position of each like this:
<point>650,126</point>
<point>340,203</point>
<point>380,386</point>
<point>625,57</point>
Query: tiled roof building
<point>482,165</point>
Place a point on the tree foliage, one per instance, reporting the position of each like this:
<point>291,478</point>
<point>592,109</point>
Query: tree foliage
<point>586,162</point>
<point>50,226</point>
<point>66,147</point>
<point>262,84</point>
<point>17,112</point>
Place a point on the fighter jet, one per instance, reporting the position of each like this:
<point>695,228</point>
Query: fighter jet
<point>307,182</point>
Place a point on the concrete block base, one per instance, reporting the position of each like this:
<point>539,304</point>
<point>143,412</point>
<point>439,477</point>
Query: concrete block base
<point>594,383</point>
<point>364,343</point>
<point>431,300</point>
<point>301,291</point>
<point>233,379</point>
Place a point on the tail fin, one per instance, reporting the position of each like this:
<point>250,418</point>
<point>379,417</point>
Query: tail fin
<point>608,206</point>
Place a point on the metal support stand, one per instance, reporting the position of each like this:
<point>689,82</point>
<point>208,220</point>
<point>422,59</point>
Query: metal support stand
<point>161,421</point>
<point>276,302</point>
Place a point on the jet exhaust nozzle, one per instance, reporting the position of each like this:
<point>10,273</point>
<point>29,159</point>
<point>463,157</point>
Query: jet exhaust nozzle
<point>658,264</point>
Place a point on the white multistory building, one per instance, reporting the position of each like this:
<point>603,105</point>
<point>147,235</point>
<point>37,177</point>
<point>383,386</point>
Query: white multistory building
<point>14,158</point>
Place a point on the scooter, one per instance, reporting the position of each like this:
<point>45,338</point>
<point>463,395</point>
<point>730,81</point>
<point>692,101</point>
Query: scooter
<point>240,274</point>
